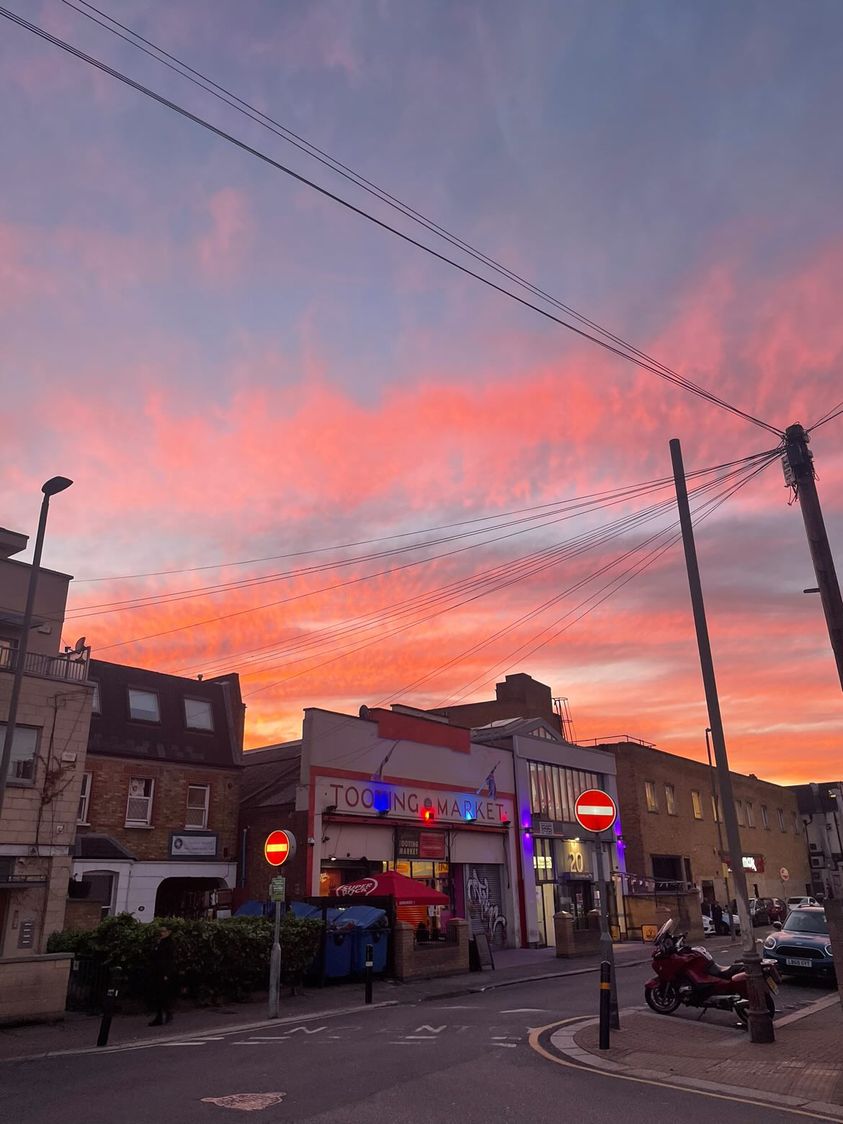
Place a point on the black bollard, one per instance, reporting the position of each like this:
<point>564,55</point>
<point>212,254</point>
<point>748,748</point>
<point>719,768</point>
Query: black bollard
<point>370,963</point>
<point>605,1003</point>
<point>113,990</point>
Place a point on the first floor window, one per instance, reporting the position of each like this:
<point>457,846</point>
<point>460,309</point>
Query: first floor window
<point>696,804</point>
<point>24,749</point>
<point>139,804</point>
<point>84,799</point>
<point>650,794</point>
<point>197,805</point>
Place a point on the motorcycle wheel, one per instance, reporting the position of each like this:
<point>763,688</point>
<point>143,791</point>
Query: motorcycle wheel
<point>663,1000</point>
<point>742,1009</point>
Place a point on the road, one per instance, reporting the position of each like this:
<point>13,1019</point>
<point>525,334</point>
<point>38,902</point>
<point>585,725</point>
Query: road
<point>465,1059</point>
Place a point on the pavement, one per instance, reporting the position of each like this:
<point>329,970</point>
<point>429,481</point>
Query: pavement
<point>802,1071</point>
<point>512,966</point>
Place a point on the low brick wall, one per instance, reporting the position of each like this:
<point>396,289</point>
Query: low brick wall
<point>33,988</point>
<point>572,942</point>
<point>430,959</point>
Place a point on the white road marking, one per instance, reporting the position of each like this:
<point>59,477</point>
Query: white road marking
<point>524,1011</point>
<point>180,1043</point>
<point>508,1045</point>
<point>432,1029</point>
<point>420,1037</point>
<point>306,1030</point>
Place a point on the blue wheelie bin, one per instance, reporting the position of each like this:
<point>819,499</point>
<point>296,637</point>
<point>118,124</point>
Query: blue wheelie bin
<point>370,927</point>
<point>339,941</point>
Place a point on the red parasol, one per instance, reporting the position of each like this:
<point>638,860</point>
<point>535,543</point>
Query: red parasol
<point>406,891</point>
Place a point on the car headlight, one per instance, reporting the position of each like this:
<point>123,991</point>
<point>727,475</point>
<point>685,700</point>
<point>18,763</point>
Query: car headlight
<point>770,942</point>
<point>827,949</point>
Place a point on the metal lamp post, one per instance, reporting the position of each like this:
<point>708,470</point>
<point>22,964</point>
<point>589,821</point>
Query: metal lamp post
<point>715,802</point>
<point>52,487</point>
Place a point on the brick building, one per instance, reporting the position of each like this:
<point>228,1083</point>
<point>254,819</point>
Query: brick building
<point>158,806</point>
<point>669,821</point>
<point>519,696</point>
<point>45,773</point>
<point>821,812</point>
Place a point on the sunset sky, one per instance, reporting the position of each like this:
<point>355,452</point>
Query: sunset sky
<point>232,367</point>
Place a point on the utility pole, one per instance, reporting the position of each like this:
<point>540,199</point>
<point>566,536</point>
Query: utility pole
<point>715,803</point>
<point>799,474</point>
<point>760,1022</point>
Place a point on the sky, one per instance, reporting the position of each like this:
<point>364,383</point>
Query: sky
<point>231,366</point>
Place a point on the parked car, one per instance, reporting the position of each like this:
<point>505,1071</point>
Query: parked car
<point>777,909</point>
<point>708,926</point>
<point>800,902</point>
<point>801,946</point>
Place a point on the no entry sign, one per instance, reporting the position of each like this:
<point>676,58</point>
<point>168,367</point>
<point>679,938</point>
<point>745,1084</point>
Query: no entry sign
<point>280,846</point>
<point>595,810</point>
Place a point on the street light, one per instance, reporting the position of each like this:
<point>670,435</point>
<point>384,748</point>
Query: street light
<point>715,807</point>
<point>52,487</point>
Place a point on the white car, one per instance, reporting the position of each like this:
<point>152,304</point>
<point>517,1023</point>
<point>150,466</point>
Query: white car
<point>800,903</point>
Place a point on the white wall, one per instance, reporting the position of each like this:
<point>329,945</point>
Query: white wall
<point>137,882</point>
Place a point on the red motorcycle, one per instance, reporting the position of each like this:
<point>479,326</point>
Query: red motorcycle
<point>691,977</point>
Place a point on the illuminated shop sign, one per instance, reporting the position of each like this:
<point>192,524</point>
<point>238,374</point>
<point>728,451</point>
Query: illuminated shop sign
<point>426,805</point>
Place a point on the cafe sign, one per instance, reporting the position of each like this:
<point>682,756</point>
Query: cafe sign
<point>372,798</point>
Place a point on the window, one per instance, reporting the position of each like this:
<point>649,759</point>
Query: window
<point>739,811</point>
<point>84,799</point>
<point>765,818</point>
<point>197,805</point>
<point>750,818</point>
<point>143,706</point>
<point>543,860</point>
<point>782,825</point>
<point>7,651</point>
<point>554,790</point>
<point>696,804</point>
<point>198,714</point>
<point>95,701</point>
<point>24,749</point>
<point>670,799</point>
<point>139,804</point>
<point>650,796</point>
<point>716,809</point>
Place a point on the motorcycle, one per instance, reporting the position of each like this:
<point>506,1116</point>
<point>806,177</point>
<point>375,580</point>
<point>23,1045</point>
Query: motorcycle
<point>689,976</point>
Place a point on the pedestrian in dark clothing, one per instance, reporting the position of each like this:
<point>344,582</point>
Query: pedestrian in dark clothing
<point>162,977</point>
<point>717,918</point>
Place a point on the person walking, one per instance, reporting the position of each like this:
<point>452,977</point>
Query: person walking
<point>162,977</point>
<point>717,918</point>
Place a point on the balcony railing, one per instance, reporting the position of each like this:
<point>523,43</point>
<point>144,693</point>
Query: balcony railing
<point>71,666</point>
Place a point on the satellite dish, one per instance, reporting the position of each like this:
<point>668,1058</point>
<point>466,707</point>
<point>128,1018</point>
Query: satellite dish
<point>365,712</point>
<point>79,646</point>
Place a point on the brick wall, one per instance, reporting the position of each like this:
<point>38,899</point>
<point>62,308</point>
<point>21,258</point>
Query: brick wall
<point>33,988</point>
<point>431,959</point>
<point>648,833</point>
<point>109,792</point>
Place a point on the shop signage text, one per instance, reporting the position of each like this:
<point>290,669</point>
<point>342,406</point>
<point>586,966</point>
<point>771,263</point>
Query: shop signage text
<point>360,798</point>
<point>193,845</point>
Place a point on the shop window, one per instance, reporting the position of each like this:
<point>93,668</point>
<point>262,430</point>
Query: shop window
<point>543,860</point>
<point>650,796</point>
<point>696,804</point>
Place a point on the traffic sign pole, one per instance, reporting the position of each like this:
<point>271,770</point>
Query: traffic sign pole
<point>275,965</point>
<point>607,951</point>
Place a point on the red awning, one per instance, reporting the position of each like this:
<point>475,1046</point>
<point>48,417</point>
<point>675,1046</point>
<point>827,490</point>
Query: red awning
<point>406,891</point>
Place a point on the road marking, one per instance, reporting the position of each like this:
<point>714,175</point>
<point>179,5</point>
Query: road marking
<point>306,1030</point>
<point>420,1037</point>
<point>194,1043</point>
<point>524,1011</point>
<point>508,1045</point>
<point>432,1029</point>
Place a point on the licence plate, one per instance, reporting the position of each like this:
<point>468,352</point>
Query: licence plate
<point>796,963</point>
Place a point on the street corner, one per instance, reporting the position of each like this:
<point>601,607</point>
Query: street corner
<point>703,1059</point>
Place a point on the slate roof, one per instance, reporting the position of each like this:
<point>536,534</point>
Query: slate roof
<point>271,775</point>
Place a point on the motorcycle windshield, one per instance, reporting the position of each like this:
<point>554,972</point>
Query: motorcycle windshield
<point>666,930</point>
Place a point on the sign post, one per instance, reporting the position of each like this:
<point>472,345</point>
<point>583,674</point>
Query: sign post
<point>596,812</point>
<point>279,848</point>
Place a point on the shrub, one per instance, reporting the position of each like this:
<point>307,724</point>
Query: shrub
<point>217,960</point>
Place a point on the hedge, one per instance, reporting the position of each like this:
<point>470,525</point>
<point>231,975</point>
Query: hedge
<point>217,961</point>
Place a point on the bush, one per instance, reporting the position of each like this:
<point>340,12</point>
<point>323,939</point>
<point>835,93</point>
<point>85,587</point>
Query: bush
<point>217,961</point>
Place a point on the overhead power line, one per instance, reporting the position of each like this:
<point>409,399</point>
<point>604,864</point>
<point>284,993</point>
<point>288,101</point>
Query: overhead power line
<point>662,373</point>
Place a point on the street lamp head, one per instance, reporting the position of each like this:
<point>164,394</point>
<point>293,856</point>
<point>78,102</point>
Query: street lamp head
<point>55,484</point>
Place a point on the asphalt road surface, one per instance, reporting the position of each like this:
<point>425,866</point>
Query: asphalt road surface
<point>465,1059</point>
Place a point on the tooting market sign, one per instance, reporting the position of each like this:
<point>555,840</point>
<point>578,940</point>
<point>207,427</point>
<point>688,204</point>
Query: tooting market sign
<point>362,798</point>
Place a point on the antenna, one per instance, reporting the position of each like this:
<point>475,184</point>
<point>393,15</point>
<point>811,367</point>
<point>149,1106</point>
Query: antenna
<point>364,712</point>
<point>79,646</point>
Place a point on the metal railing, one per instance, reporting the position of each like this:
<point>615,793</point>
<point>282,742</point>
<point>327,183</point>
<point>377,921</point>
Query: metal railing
<point>70,666</point>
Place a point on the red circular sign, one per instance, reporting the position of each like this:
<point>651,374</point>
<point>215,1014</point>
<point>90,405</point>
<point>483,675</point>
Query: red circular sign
<point>595,810</point>
<point>280,845</point>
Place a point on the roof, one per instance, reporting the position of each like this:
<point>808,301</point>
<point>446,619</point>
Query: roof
<point>271,775</point>
<point>526,727</point>
<point>95,846</point>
